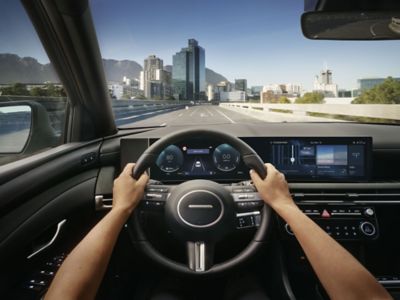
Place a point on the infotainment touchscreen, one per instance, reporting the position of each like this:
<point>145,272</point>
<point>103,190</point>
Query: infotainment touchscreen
<point>326,159</point>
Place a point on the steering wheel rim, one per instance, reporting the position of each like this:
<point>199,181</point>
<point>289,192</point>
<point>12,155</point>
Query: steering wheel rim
<point>249,157</point>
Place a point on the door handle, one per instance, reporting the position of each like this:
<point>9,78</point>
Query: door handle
<point>50,242</point>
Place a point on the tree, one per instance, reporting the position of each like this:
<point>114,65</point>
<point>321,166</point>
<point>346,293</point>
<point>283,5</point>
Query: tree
<point>311,98</point>
<point>140,97</point>
<point>17,89</point>
<point>283,100</point>
<point>388,92</point>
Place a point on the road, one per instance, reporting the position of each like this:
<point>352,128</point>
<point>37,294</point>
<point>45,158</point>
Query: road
<point>212,114</point>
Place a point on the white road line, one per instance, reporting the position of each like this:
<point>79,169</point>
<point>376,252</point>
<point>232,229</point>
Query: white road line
<point>163,124</point>
<point>211,114</point>
<point>224,115</point>
<point>194,111</point>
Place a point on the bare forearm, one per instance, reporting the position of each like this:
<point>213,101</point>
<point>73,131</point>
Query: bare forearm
<point>81,273</point>
<point>339,272</point>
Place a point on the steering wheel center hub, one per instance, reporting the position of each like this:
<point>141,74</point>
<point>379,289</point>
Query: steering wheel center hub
<point>200,208</point>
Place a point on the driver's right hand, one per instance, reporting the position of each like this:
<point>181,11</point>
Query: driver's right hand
<point>274,189</point>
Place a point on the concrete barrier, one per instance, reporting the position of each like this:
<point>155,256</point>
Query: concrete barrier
<point>378,111</point>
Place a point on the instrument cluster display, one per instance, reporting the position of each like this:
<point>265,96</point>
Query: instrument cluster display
<point>199,159</point>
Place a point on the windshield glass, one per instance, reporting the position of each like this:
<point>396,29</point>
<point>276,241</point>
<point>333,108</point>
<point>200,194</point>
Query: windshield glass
<point>185,62</point>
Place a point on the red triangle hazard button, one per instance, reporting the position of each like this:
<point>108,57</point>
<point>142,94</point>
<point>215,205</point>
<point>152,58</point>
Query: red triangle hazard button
<point>325,214</point>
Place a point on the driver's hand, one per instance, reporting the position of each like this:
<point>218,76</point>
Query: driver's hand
<point>127,192</point>
<point>274,189</point>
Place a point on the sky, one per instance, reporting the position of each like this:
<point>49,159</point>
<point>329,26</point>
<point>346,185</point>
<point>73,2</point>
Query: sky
<point>259,40</point>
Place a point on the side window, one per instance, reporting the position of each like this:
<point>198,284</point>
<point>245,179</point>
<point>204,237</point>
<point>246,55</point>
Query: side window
<point>32,99</point>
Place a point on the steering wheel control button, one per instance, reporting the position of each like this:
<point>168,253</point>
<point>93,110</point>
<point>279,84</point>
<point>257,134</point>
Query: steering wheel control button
<point>200,208</point>
<point>248,220</point>
<point>367,228</point>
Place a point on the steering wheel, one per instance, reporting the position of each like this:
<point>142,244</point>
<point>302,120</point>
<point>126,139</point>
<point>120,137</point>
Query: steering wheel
<point>202,212</point>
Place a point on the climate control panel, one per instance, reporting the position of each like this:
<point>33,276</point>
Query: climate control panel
<point>340,221</point>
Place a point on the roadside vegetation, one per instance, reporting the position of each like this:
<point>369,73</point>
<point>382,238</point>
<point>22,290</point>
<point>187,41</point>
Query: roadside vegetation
<point>311,98</point>
<point>388,92</point>
<point>20,89</point>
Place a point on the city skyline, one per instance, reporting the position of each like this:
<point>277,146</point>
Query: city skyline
<point>259,41</point>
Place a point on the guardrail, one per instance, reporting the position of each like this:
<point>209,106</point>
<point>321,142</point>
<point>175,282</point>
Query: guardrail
<point>125,111</point>
<point>376,111</point>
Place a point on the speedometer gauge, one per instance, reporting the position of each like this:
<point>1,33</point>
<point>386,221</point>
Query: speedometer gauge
<point>226,158</point>
<point>170,159</point>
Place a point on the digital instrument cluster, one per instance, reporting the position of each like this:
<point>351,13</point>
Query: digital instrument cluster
<point>198,159</point>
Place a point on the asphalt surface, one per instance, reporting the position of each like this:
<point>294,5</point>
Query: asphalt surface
<point>198,115</point>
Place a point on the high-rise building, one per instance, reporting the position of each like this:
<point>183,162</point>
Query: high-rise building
<point>324,84</point>
<point>189,72</point>
<point>241,85</point>
<point>151,84</point>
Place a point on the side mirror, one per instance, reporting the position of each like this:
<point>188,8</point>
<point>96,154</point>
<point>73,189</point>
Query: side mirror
<point>24,129</point>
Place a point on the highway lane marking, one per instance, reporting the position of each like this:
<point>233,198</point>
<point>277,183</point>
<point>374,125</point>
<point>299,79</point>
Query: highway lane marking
<point>163,124</point>
<point>194,111</point>
<point>211,114</point>
<point>224,115</point>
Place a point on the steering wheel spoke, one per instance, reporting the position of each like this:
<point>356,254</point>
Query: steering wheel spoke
<point>155,197</point>
<point>200,256</point>
<point>248,205</point>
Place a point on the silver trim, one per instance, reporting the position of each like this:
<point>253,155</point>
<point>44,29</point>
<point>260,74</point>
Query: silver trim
<point>200,206</point>
<point>289,231</point>
<point>245,214</point>
<point>389,282</point>
<point>44,247</point>
<point>346,214</point>
<point>199,256</point>
<point>378,202</point>
<point>206,225</point>
<point>321,201</point>
<point>367,234</point>
<point>100,203</point>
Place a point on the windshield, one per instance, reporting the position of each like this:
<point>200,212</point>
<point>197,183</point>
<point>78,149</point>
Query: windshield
<point>185,62</point>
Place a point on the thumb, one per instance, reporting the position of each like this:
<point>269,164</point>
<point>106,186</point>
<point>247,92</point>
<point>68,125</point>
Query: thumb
<point>143,179</point>
<point>255,177</point>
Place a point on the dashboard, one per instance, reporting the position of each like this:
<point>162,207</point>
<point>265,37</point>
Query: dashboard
<point>337,159</point>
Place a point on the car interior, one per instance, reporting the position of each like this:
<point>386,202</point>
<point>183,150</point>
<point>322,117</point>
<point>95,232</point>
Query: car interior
<point>57,189</point>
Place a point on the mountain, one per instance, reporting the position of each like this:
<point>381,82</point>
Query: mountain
<point>116,69</point>
<point>212,77</point>
<point>24,69</point>
<point>28,70</point>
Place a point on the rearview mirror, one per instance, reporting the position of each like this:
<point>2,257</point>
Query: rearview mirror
<point>352,25</point>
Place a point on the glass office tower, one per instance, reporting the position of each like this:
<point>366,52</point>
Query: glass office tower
<point>189,73</point>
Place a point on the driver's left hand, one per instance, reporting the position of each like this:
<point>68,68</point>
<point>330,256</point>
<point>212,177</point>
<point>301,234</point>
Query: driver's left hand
<point>127,192</point>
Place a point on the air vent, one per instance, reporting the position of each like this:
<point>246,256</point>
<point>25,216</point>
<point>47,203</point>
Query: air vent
<point>359,193</point>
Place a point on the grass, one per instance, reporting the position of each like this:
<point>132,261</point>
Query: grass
<point>353,118</point>
<point>286,111</point>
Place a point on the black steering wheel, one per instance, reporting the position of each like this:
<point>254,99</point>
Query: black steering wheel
<point>203,212</point>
